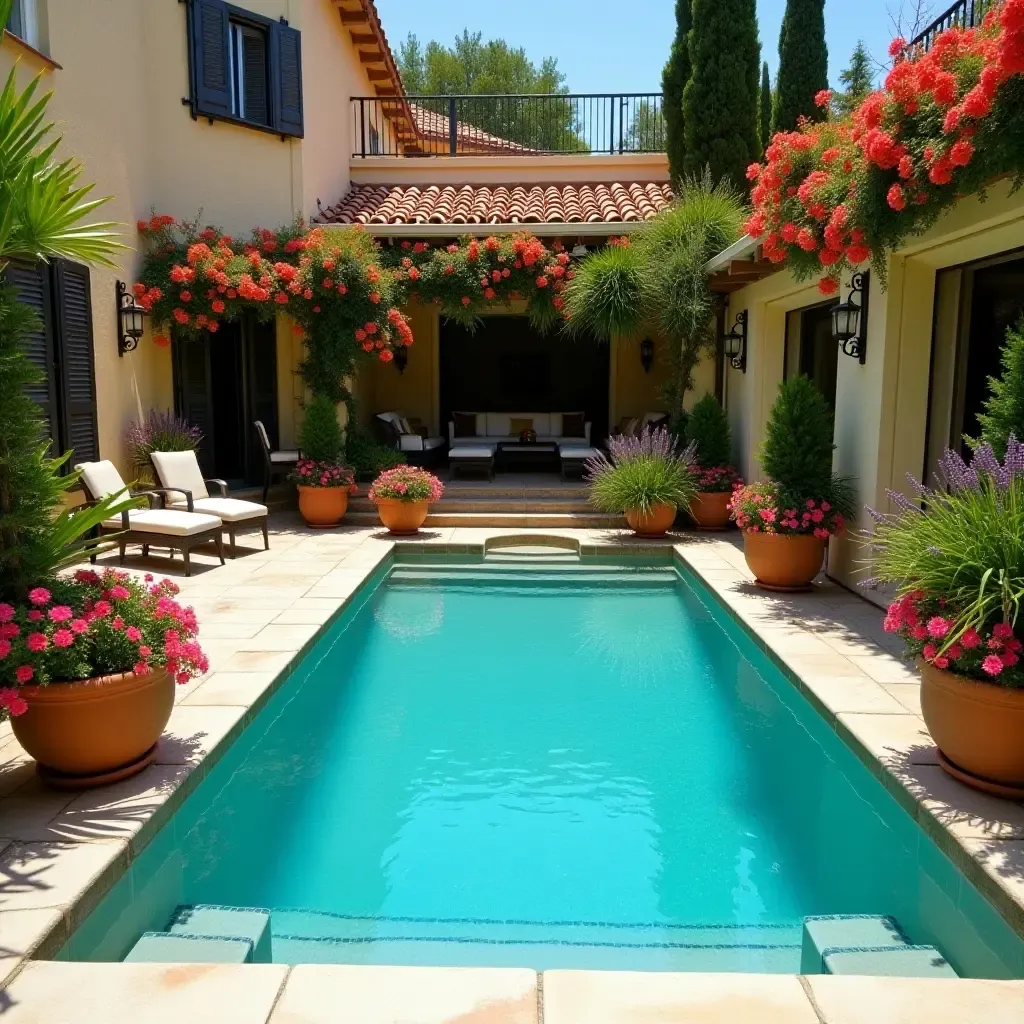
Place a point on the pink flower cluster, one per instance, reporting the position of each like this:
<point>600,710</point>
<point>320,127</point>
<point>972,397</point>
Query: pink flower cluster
<point>759,508</point>
<point>933,632</point>
<point>406,483</point>
<point>310,473</point>
<point>717,479</point>
<point>95,624</point>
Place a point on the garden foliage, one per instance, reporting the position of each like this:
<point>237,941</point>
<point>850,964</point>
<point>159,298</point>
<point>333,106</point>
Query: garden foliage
<point>764,110</point>
<point>708,429</point>
<point>673,80</point>
<point>803,65</point>
<point>160,432</point>
<point>1004,407</point>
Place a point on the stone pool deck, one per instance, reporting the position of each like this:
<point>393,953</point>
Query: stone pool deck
<point>60,852</point>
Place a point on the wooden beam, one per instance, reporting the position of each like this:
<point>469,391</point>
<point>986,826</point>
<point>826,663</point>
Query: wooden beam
<point>385,90</point>
<point>353,17</point>
<point>374,57</point>
<point>363,38</point>
<point>762,268</point>
<point>376,75</point>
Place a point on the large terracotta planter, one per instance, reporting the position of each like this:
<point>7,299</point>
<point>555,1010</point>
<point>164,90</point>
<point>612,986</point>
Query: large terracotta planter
<point>97,730</point>
<point>322,506</point>
<point>783,561</point>
<point>710,509</point>
<point>402,516</point>
<point>654,523</point>
<point>977,726</point>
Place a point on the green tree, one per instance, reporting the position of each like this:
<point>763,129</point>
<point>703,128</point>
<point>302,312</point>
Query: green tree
<point>320,436</point>
<point>646,131</point>
<point>803,64</point>
<point>708,427</point>
<point>764,114</point>
<point>1004,407</point>
<point>857,80</point>
<point>472,67</point>
<point>673,80</point>
<point>720,99</point>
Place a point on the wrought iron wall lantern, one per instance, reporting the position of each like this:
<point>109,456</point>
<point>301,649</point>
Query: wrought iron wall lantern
<point>401,358</point>
<point>647,354</point>
<point>734,344</point>
<point>131,320</point>
<point>850,319</point>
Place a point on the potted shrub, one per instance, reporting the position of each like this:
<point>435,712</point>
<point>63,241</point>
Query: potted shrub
<point>403,496</point>
<point>88,666</point>
<point>159,432</point>
<point>787,518</point>
<point>956,555</point>
<point>708,429</point>
<point>323,483</point>
<point>645,477</point>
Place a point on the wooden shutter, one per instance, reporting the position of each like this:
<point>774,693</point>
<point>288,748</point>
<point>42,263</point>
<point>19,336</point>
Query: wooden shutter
<point>286,61</point>
<point>194,386</point>
<point>253,58</point>
<point>31,283</point>
<point>211,67</point>
<point>75,369</point>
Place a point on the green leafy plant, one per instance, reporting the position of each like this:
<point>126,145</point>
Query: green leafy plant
<point>366,455</point>
<point>320,436</point>
<point>1004,407</point>
<point>708,429</point>
<point>608,294</point>
<point>642,472</point>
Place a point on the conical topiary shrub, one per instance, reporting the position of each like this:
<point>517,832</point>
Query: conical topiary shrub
<point>1004,407</point>
<point>708,427</point>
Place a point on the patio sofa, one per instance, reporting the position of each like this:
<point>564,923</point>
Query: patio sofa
<point>393,429</point>
<point>473,429</point>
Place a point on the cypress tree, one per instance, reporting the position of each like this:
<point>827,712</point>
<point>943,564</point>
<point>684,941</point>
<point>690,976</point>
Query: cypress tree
<point>673,81</point>
<point>803,64</point>
<point>765,108</point>
<point>1004,407</point>
<point>720,99</point>
<point>857,79</point>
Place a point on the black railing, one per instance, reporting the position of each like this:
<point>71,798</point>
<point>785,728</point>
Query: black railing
<point>963,14</point>
<point>510,125</point>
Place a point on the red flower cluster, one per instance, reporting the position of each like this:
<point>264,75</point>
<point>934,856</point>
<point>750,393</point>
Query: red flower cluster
<point>311,473</point>
<point>717,479</point>
<point>757,507</point>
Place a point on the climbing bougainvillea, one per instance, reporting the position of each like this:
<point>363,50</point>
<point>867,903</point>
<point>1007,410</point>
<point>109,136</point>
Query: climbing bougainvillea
<point>948,121</point>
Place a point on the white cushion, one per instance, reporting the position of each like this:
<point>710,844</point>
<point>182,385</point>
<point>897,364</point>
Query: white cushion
<point>472,451</point>
<point>578,453</point>
<point>556,423</point>
<point>410,443</point>
<point>231,510</point>
<point>431,443</point>
<point>541,422</point>
<point>102,478</point>
<point>180,470</point>
<point>650,417</point>
<point>403,425</point>
<point>285,456</point>
<point>165,520</point>
<point>498,424</point>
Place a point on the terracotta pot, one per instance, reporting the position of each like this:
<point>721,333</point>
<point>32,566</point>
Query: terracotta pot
<point>783,561</point>
<point>654,523</point>
<point>978,726</point>
<point>710,509</point>
<point>322,506</point>
<point>402,516</point>
<point>96,726</point>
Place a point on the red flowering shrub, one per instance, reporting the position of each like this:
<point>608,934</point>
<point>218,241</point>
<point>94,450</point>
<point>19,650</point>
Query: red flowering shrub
<point>833,194</point>
<point>311,473</point>
<point>717,479</point>
<point>95,624</point>
<point>406,483</point>
<point>757,507</point>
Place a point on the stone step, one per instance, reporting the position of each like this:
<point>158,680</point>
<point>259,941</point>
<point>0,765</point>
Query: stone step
<point>889,962</point>
<point>529,520</point>
<point>503,505</point>
<point>209,920</point>
<point>164,948</point>
<point>845,931</point>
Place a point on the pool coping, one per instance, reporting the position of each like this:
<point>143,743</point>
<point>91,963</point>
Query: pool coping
<point>982,836</point>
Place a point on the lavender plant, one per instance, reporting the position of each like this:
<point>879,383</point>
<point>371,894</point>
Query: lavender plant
<point>641,472</point>
<point>160,432</point>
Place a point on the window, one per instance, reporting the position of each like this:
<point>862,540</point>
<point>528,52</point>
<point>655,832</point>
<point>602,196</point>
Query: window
<point>62,350</point>
<point>24,21</point>
<point>244,68</point>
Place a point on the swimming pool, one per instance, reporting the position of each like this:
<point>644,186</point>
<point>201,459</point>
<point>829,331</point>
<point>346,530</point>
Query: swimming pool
<point>571,765</point>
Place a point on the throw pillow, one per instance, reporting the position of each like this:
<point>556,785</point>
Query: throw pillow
<point>518,424</point>
<point>465,424</point>
<point>574,424</point>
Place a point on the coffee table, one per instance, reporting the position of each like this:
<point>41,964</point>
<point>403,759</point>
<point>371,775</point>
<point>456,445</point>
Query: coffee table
<point>528,454</point>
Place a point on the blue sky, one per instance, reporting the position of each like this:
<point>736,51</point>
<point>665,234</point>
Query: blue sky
<point>616,46</point>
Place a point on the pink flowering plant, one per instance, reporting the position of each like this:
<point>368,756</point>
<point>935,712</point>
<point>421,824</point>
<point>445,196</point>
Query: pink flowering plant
<point>956,554</point>
<point>94,624</point>
<point>763,508</point>
<point>717,479</point>
<point>313,473</point>
<point>406,483</point>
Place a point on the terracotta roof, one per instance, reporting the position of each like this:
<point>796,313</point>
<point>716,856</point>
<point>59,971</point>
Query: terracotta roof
<point>433,127</point>
<point>361,19</point>
<point>597,202</point>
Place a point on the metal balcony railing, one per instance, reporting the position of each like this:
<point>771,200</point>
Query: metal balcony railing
<point>964,14</point>
<point>507,125</point>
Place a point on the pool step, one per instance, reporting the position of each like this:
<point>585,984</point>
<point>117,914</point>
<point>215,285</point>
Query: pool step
<point>889,962</point>
<point>164,948</point>
<point>208,934</point>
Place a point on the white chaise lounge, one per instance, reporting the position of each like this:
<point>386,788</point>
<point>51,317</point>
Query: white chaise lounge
<point>183,484</point>
<point>160,527</point>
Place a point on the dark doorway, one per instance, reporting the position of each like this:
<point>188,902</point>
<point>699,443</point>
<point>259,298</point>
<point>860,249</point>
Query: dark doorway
<point>508,366</point>
<point>812,349</point>
<point>222,384</point>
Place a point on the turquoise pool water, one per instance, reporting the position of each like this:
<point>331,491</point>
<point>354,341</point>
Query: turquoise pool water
<point>579,766</point>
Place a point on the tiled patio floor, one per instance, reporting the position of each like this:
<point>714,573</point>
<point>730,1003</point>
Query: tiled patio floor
<point>60,851</point>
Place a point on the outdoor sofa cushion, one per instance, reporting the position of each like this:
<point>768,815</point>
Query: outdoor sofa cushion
<point>180,470</point>
<point>165,521</point>
<point>495,427</point>
<point>231,510</point>
<point>101,478</point>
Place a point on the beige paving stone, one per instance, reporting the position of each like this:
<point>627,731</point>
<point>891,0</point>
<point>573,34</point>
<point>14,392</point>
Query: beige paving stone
<point>21,934</point>
<point>194,731</point>
<point>295,616</point>
<point>895,740</point>
<point>908,694</point>
<point>215,629</point>
<point>854,694</point>
<point>258,661</point>
<point>1003,861</point>
<point>626,997</point>
<point>859,1000</point>
<point>26,812</point>
<point>885,668</point>
<point>79,993</point>
<point>961,810</point>
<point>35,876</point>
<point>236,689</point>
<point>314,994</point>
<point>280,638</point>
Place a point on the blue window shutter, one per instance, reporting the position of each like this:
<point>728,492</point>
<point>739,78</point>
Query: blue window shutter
<point>286,64</point>
<point>209,34</point>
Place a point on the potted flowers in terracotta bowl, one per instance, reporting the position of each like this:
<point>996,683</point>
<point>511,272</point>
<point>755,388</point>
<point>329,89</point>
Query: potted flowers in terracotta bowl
<point>787,519</point>
<point>322,482</point>
<point>708,430</point>
<point>88,666</point>
<point>645,477</point>
<point>956,555</point>
<point>403,496</point>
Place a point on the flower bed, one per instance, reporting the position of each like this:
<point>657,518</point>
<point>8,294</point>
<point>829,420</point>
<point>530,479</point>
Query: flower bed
<point>762,508</point>
<point>947,122</point>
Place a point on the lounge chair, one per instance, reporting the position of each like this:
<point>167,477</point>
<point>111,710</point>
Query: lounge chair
<point>275,462</point>
<point>160,527</point>
<point>182,483</point>
<point>394,430</point>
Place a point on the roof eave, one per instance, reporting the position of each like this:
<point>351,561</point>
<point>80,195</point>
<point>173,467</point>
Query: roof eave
<point>449,230</point>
